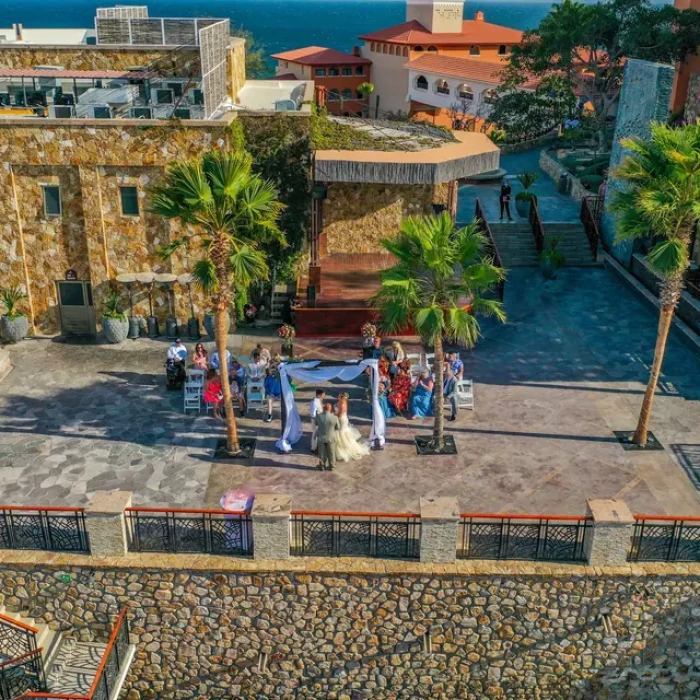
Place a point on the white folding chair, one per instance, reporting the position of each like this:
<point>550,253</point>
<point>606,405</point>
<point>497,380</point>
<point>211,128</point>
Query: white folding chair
<point>414,358</point>
<point>196,376</point>
<point>415,371</point>
<point>465,394</point>
<point>193,397</point>
<point>255,394</point>
<point>429,359</point>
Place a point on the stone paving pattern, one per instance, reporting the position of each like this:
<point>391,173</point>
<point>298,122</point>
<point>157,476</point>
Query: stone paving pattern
<point>550,387</point>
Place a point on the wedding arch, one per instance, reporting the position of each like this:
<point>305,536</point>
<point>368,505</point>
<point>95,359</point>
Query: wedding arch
<point>318,371</point>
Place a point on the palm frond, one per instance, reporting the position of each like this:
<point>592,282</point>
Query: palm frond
<point>165,252</point>
<point>669,257</point>
<point>204,275</point>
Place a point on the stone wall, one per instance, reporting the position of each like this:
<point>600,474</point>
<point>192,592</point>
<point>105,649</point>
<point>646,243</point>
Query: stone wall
<point>553,168</point>
<point>168,62</point>
<point>368,629</point>
<point>89,161</point>
<point>692,105</point>
<point>356,217</point>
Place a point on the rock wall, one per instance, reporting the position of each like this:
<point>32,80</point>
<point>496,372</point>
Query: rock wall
<point>645,98</point>
<point>90,161</point>
<point>692,105</point>
<point>356,217</point>
<point>557,632</point>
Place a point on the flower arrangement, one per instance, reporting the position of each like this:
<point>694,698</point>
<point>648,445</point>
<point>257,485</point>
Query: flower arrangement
<point>287,332</point>
<point>369,330</point>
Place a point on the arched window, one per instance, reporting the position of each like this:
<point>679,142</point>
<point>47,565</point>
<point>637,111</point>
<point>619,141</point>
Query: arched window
<point>475,51</point>
<point>417,48</point>
<point>441,87</point>
<point>405,51</point>
<point>432,48</point>
<point>392,49</point>
<point>346,71</point>
<point>490,96</point>
<point>334,71</point>
<point>385,48</point>
<point>421,83</point>
<point>347,94</point>
<point>360,70</point>
<point>464,92</point>
<point>502,50</point>
<point>333,95</point>
<point>372,47</point>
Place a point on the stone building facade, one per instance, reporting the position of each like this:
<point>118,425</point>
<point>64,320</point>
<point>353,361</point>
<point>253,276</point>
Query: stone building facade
<point>90,160</point>
<point>208,627</point>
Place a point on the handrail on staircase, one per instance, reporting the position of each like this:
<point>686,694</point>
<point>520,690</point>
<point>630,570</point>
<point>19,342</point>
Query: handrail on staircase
<point>483,224</point>
<point>590,225</point>
<point>18,623</point>
<point>537,225</point>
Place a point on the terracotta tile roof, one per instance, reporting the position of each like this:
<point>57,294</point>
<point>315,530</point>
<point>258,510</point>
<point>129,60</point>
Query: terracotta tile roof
<point>319,56</point>
<point>466,68</point>
<point>473,32</point>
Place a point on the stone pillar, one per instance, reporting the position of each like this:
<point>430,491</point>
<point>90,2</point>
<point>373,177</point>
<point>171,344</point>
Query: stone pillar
<point>106,523</point>
<point>270,516</point>
<point>608,542</point>
<point>645,96</point>
<point>439,521</point>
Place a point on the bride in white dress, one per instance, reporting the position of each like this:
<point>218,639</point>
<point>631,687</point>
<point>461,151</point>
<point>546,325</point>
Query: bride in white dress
<point>348,442</point>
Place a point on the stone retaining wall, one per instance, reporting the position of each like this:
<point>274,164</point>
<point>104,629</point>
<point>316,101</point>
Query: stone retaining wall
<point>381,630</point>
<point>554,169</point>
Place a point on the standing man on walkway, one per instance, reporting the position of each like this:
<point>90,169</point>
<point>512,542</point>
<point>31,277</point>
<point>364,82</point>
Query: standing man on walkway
<point>328,428</point>
<point>505,200</point>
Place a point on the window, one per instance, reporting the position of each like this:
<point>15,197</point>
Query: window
<point>347,94</point>
<point>385,48</point>
<point>405,51</point>
<point>334,71</point>
<point>320,72</point>
<point>52,200</point>
<point>502,50</point>
<point>359,95</point>
<point>421,83</point>
<point>286,64</point>
<point>464,92</point>
<point>360,70</point>
<point>391,49</point>
<point>417,48</point>
<point>346,71</point>
<point>372,47</point>
<point>475,51</point>
<point>432,48</point>
<point>489,96</point>
<point>130,201</point>
<point>441,87</point>
<point>333,95</point>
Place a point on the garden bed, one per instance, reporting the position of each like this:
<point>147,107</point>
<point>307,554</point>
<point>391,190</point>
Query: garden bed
<point>581,166</point>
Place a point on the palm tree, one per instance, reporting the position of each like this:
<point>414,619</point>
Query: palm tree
<point>436,286</point>
<point>217,195</point>
<point>662,198</point>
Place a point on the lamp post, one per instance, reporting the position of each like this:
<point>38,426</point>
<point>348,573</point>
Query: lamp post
<point>148,278</point>
<point>128,279</point>
<point>166,280</point>
<point>193,322</point>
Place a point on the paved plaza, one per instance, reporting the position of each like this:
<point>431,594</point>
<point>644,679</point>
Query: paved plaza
<point>551,385</point>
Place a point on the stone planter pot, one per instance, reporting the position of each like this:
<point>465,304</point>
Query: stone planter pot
<point>549,269</point>
<point>116,329</point>
<point>209,325</point>
<point>522,206</point>
<point>14,329</point>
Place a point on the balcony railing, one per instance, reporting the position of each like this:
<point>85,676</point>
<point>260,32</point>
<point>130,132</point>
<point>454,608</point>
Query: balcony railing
<point>49,529</point>
<point>526,537</point>
<point>206,531</point>
<point>665,538</point>
<point>537,226</point>
<point>590,224</point>
<point>22,675</point>
<point>109,672</point>
<point>333,534</point>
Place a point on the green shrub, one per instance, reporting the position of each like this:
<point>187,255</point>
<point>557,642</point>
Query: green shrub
<point>525,196</point>
<point>592,182</point>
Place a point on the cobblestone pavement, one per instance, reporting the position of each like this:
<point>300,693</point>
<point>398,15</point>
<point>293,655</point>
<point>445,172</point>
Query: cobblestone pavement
<point>550,387</point>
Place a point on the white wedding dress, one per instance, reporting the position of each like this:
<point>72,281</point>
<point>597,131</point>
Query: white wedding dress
<point>348,442</point>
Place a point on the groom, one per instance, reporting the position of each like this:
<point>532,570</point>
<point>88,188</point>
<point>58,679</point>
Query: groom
<point>327,427</point>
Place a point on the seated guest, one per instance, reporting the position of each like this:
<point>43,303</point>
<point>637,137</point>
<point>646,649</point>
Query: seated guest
<point>384,367</point>
<point>263,352</point>
<point>237,396</point>
<point>456,365</point>
<point>273,386</point>
<point>177,351</point>
<point>258,365</point>
<point>213,393</point>
<point>395,354</point>
<point>400,390</point>
<point>215,362</point>
<point>238,373</point>
<point>200,359</point>
<point>387,408</point>
<point>422,399</point>
<point>377,351</point>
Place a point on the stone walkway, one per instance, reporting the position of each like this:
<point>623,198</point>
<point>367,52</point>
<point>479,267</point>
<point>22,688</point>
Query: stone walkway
<point>550,387</point>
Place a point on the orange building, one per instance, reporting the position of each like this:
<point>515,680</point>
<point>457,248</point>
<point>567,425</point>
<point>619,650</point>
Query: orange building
<point>684,69</point>
<point>337,75</point>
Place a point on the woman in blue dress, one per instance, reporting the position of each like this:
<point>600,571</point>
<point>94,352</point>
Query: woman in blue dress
<point>422,399</point>
<point>273,386</point>
<point>387,408</point>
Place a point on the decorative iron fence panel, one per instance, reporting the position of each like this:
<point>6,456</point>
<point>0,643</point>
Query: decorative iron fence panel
<point>60,530</point>
<point>212,532</point>
<point>662,539</point>
<point>525,538</point>
<point>355,535</point>
<point>15,639</point>
<point>22,675</point>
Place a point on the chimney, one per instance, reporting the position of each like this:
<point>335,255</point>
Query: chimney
<point>18,31</point>
<point>355,50</point>
<point>479,16</point>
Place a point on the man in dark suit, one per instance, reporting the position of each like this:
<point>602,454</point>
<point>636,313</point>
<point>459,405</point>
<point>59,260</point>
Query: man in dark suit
<point>327,427</point>
<point>504,199</point>
<point>450,392</point>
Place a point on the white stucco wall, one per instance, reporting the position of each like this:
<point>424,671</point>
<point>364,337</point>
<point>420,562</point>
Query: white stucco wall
<point>390,80</point>
<point>435,99</point>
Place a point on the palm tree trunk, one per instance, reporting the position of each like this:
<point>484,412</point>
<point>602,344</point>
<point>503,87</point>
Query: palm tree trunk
<point>438,411</point>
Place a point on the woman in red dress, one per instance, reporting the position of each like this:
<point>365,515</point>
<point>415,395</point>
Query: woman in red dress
<point>400,391</point>
<point>213,392</point>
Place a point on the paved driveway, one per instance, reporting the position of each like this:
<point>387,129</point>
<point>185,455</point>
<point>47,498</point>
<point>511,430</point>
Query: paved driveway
<point>550,387</point>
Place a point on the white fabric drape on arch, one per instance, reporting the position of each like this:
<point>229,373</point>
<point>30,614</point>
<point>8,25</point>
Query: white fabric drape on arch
<point>310,372</point>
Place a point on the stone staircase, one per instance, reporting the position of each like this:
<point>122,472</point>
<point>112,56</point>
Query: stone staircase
<point>574,243</point>
<point>516,244</point>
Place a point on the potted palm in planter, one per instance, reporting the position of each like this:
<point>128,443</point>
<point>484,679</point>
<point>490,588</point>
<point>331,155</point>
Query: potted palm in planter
<point>523,198</point>
<point>115,324</point>
<point>552,259</point>
<point>14,324</point>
